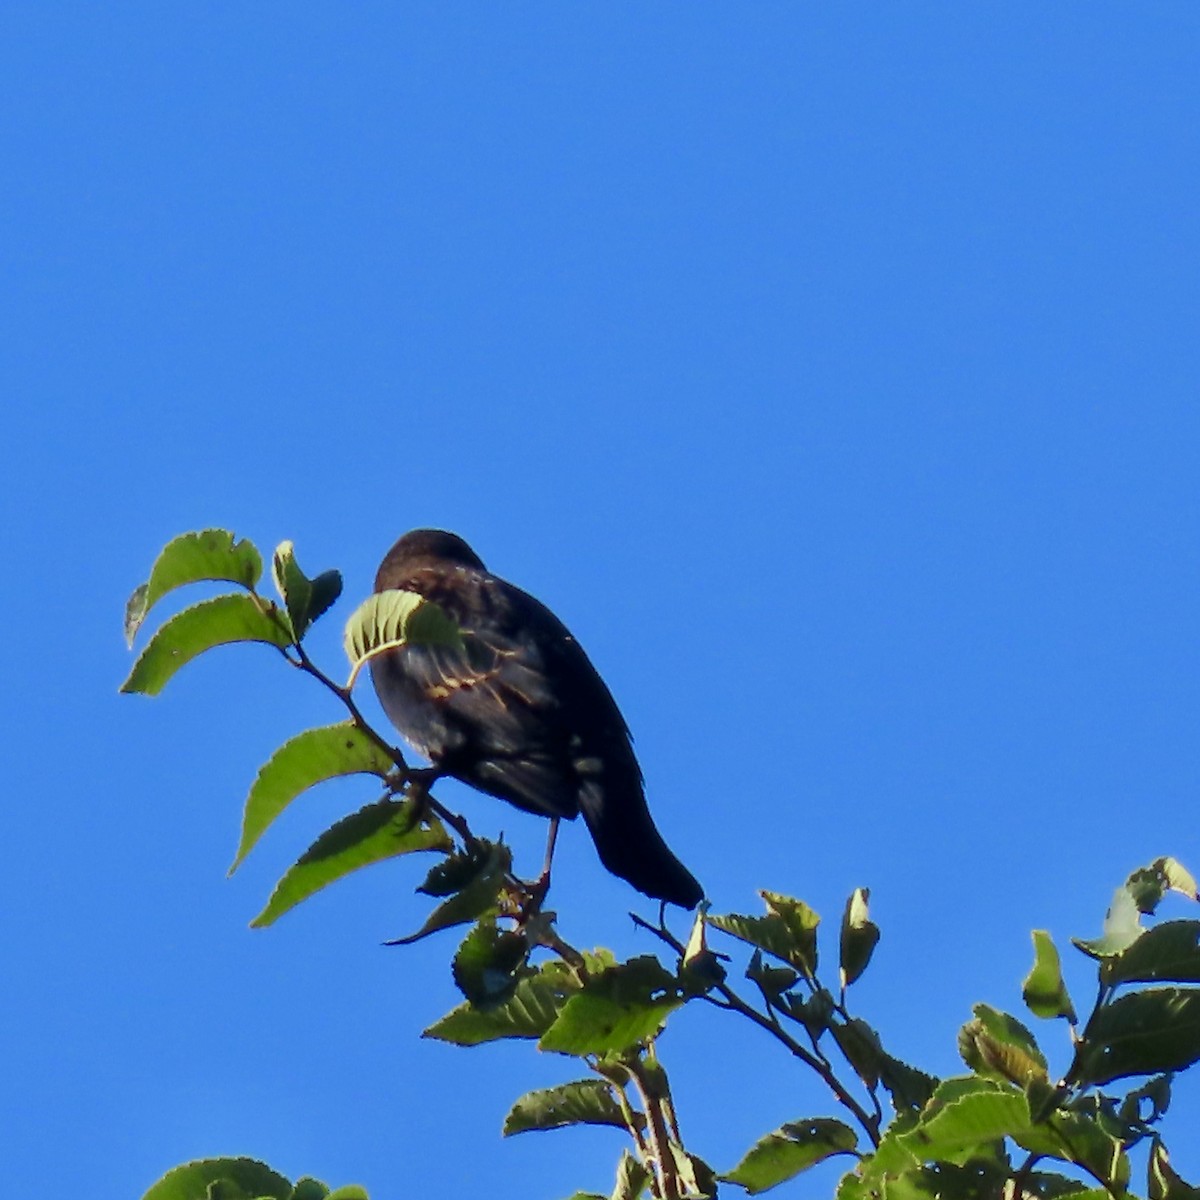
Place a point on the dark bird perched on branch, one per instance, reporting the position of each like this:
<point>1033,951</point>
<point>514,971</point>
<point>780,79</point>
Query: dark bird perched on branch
<point>520,712</point>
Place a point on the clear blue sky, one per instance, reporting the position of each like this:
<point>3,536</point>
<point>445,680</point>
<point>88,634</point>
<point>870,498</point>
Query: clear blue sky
<point>831,370</point>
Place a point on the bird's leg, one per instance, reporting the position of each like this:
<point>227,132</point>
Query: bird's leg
<point>541,885</point>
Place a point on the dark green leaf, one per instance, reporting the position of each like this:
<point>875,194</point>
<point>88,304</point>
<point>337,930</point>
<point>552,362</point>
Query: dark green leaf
<point>379,831</point>
<point>909,1087</point>
<point>771,981</point>
<point>215,622</point>
<point>304,761</point>
<point>1156,1093</point>
<point>859,937</point>
<point>1078,1139</point>
<point>528,1013</point>
<point>791,1149</point>
<point>1044,991</point>
<point>788,931</point>
<point>813,1013</point>
<point>997,1045</point>
<point>696,1177</point>
<point>617,1009</point>
<point>1164,1182</point>
<point>583,1102</point>
<point>1168,952</point>
<point>862,1048</point>
<point>210,554</point>
<point>390,619</point>
<point>1141,1034</point>
<point>487,965</point>
<point>305,599</point>
<point>478,898</point>
<point>193,1180</point>
<point>459,869</point>
<point>309,1189</point>
<point>1149,884</point>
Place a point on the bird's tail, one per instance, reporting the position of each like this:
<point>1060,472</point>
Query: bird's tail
<point>630,845</point>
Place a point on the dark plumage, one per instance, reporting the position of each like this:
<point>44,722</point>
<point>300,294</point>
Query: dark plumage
<point>520,712</point>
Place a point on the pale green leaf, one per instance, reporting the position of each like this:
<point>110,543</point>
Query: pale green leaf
<point>1044,990</point>
<point>391,619</point>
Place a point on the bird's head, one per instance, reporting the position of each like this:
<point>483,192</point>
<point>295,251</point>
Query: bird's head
<point>420,547</point>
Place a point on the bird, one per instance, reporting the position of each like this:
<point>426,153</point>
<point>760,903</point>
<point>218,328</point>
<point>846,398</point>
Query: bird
<point>517,710</point>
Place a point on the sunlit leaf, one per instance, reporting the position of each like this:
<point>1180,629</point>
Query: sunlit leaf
<point>1164,1182</point>
<point>791,1149</point>
<point>1144,1033</point>
<point>963,1119</point>
<point>1122,927</point>
<point>616,1009</point>
<point>859,937</point>
<point>209,554</point>
<point>1043,990</point>
<point>215,622</point>
<point>193,1181</point>
<point>306,760</point>
<point>583,1102</point>
<point>379,831</point>
<point>305,599</point>
<point>393,618</point>
<point>632,1179</point>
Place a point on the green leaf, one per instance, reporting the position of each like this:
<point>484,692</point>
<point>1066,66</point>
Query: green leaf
<point>242,1177</point>
<point>788,931</point>
<point>998,1046</point>
<point>1144,1033</point>
<point>791,1149</point>
<point>1044,991</point>
<point>352,1191</point>
<point>859,937</point>
<point>632,1178</point>
<point>1078,1138</point>
<point>771,981</point>
<point>1164,1182</point>
<point>617,1009</point>
<point>309,1189</point>
<point>583,1102</point>
<point>385,829</point>
<point>477,898</point>
<point>1168,952</point>
<point>528,1013</point>
<point>487,965</point>
<point>390,619</point>
<point>696,1177</point>
<point>862,1048</point>
<point>305,599</point>
<point>210,554</point>
<point>960,1119</point>
<point>304,761</point>
<point>1122,927</point>
<point>1149,884</point>
<point>215,622</point>
<point>909,1087</point>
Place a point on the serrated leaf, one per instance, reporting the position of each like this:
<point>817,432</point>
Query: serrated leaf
<point>791,1149</point>
<point>487,965</point>
<point>305,599</point>
<point>393,618</point>
<point>192,1180</point>
<point>962,1119</point>
<point>617,1009</point>
<point>788,931</point>
<point>859,937</point>
<point>216,622</point>
<point>1145,1033</point>
<point>862,1048</point>
<point>299,764</point>
<point>996,1045</point>
<point>476,899</point>
<point>383,830</point>
<point>1164,1182</point>
<point>1044,991</point>
<point>528,1013</point>
<point>909,1087</point>
<point>583,1102</point>
<point>1167,952</point>
<point>1078,1139</point>
<point>208,554</point>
